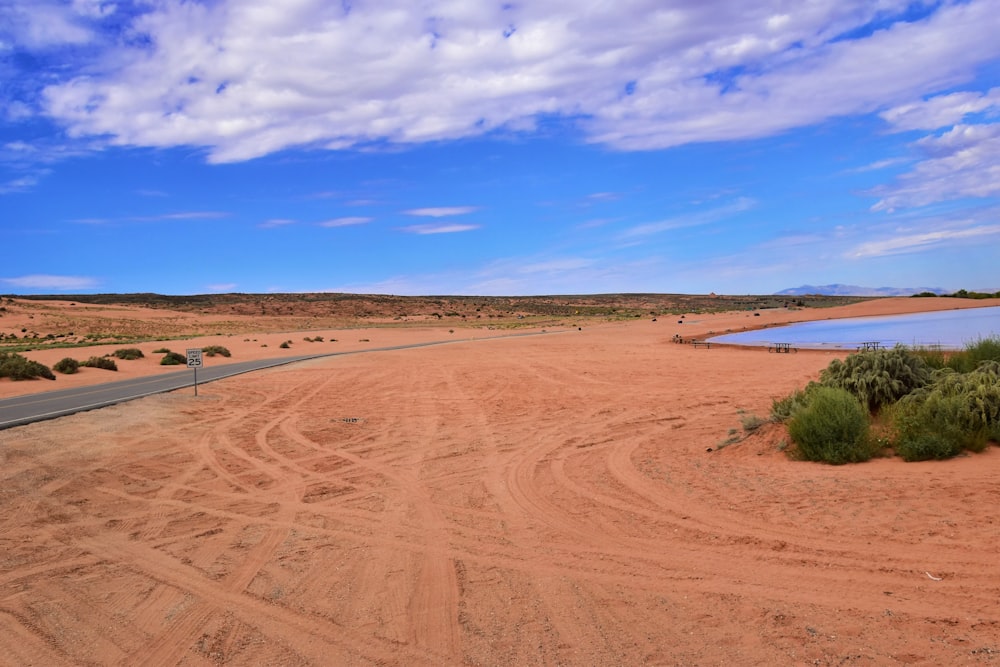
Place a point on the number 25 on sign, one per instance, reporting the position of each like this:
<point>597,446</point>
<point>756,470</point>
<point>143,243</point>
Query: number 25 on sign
<point>194,361</point>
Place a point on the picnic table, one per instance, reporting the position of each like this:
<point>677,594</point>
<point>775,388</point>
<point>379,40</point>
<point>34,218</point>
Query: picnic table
<point>781,347</point>
<point>870,345</point>
<point>706,343</point>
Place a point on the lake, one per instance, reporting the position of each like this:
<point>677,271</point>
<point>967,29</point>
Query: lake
<point>948,329</point>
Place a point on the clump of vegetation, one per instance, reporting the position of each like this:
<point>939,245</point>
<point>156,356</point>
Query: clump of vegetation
<point>926,405</point>
<point>67,366</point>
<point>173,359</point>
<point>213,350</point>
<point>966,294</point>
<point>878,377</point>
<point>832,427</point>
<point>752,422</point>
<point>957,412</point>
<point>101,362</point>
<point>16,367</point>
<point>285,345</point>
<point>162,350</point>
<point>128,353</point>
<point>974,354</point>
<point>783,408</point>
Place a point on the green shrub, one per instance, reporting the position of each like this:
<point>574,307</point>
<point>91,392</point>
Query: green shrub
<point>982,350</point>
<point>877,377</point>
<point>66,366</point>
<point>173,359</point>
<point>285,345</point>
<point>101,362</point>
<point>958,411</point>
<point>783,408</point>
<point>162,350</point>
<point>129,353</point>
<point>832,427</point>
<point>16,367</point>
<point>933,358</point>
<point>213,350</point>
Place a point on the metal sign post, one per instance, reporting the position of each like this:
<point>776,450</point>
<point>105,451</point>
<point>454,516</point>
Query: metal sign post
<point>194,361</point>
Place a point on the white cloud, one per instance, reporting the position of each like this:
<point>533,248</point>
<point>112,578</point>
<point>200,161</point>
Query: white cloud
<point>248,78</point>
<point>877,165</point>
<point>962,162</point>
<point>920,241</point>
<point>439,229</point>
<point>15,110</point>
<point>54,282</point>
<point>182,215</point>
<point>709,216</point>
<point>441,211</point>
<point>94,8</point>
<point>162,217</point>
<point>346,221</point>
<point>221,287</point>
<point>941,110</point>
<point>274,223</point>
<point>45,24</point>
<point>20,184</point>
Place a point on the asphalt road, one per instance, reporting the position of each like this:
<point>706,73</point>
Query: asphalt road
<point>51,404</point>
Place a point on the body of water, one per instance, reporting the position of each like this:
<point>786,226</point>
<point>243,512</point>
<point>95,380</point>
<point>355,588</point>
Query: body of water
<point>947,329</point>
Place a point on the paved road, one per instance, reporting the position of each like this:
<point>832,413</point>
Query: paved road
<point>51,404</point>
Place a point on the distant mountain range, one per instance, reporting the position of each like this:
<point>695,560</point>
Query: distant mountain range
<point>855,290</point>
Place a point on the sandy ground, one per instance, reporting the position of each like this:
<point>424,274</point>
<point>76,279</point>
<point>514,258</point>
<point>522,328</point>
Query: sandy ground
<point>532,500</point>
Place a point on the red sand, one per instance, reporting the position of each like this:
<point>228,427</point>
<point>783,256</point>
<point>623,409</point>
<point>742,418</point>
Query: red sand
<point>528,501</point>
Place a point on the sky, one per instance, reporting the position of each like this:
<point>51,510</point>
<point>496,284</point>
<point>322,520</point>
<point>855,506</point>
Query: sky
<point>470,147</point>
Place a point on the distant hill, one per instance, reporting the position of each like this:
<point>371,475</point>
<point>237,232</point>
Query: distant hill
<point>855,290</point>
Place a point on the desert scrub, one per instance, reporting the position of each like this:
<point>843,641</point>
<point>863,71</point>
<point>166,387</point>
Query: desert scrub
<point>983,349</point>
<point>752,422</point>
<point>162,350</point>
<point>173,359</point>
<point>213,350</point>
<point>832,427</point>
<point>66,366</point>
<point>16,367</point>
<point>957,412</point>
<point>128,353</point>
<point>877,377</point>
<point>782,409</point>
<point>101,362</point>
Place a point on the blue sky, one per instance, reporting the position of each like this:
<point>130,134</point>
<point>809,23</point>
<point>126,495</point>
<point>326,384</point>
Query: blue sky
<point>449,147</point>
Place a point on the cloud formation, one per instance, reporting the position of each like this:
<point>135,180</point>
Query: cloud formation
<point>450,228</point>
<point>441,211</point>
<point>348,221</point>
<point>248,78</point>
<point>960,159</point>
<point>41,281</point>
<point>923,240</point>
<point>709,216</point>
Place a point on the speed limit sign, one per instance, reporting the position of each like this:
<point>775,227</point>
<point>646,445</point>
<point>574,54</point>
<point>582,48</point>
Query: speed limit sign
<point>194,358</point>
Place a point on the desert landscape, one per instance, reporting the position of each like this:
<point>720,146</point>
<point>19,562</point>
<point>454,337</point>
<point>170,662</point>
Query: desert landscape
<point>547,488</point>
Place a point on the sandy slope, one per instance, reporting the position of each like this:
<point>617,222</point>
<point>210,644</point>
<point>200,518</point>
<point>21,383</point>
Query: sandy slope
<point>533,500</point>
